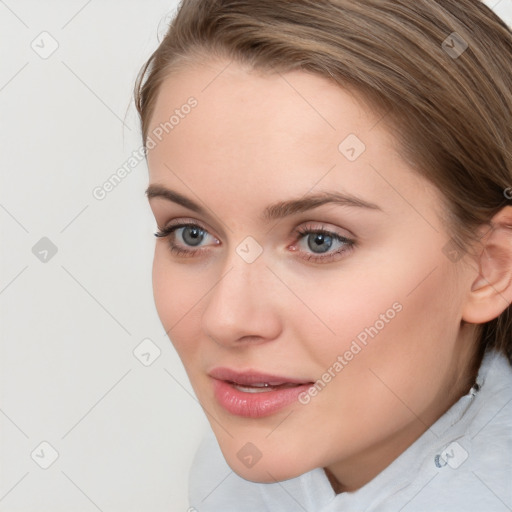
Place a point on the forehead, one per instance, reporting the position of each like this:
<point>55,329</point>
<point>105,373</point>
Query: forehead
<point>252,131</point>
<point>235,102</point>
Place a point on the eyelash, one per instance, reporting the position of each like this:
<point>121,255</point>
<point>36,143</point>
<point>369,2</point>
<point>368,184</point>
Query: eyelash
<point>177,250</point>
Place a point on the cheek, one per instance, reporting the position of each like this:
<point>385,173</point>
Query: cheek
<point>165,294</point>
<point>391,293</point>
<point>348,306</point>
<point>392,318</point>
<point>175,296</point>
<point>399,340</point>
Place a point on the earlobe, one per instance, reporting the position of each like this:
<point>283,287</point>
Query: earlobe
<point>491,291</point>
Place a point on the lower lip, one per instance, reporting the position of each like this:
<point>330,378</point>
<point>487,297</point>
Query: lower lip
<point>255,405</point>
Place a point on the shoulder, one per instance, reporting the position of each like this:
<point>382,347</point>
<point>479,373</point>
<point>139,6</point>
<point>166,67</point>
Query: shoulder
<point>489,437</point>
<point>491,412</point>
<point>473,469</point>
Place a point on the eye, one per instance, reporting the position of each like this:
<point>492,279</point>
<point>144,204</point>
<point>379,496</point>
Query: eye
<point>325,245</point>
<point>192,235</point>
<point>316,244</point>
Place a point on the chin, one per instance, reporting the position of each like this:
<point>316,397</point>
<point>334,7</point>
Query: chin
<point>265,472</point>
<point>263,464</point>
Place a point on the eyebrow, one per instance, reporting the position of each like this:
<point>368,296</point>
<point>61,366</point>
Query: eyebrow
<point>274,211</point>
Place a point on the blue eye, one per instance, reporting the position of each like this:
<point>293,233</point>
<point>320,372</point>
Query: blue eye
<point>320,242</point>
<point>191,234</point>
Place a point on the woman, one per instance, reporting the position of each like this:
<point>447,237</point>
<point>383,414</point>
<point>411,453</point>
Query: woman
<point>331,183</point>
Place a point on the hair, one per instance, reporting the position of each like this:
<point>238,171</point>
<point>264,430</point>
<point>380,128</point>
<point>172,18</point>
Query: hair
<point>449,106</point>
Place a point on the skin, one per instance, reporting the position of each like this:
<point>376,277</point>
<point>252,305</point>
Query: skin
<point>255,139</point>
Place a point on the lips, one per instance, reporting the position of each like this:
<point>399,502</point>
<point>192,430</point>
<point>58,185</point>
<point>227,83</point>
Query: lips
<point>253,378</point>
<point>255,394</point>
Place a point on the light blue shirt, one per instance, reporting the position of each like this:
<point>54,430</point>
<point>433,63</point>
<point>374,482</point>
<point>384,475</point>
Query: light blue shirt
<point>463,463</point>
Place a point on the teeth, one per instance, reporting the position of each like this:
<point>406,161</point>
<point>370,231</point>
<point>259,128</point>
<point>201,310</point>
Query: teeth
<point>261,387</point>
<point>255,389</point>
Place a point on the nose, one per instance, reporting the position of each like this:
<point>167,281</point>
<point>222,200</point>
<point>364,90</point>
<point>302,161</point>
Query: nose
<point>242,306</point>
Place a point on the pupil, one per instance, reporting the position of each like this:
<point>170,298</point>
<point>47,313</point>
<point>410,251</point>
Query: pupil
<point>321,241</point>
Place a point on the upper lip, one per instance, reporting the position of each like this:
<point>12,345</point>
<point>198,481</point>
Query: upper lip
<point>249,377</point>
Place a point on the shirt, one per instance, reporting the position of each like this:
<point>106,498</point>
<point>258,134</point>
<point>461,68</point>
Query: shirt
<point>463,462</point>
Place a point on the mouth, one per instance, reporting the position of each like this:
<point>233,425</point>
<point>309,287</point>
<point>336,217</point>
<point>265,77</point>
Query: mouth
<point>263,387</point>
<point>254,394</point>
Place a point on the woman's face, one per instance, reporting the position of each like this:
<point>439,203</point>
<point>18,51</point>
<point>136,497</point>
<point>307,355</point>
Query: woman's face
<point>274,286</point>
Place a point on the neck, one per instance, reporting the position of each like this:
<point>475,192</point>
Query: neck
<point>351,474</point>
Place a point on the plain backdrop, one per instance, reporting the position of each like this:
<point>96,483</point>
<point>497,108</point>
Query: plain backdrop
<point>96,412</point>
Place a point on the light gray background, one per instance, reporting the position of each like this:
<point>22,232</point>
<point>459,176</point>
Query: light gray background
<point>124,428</point>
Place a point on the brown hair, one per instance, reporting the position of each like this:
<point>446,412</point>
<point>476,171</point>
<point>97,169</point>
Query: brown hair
<point>438,71</point>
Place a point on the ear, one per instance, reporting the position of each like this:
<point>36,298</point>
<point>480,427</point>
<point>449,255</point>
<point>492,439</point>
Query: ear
<point>491,291</point>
